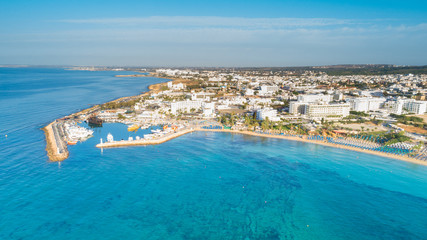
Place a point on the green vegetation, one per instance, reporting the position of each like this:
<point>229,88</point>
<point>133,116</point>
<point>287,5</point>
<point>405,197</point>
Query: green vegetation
<point>171,98</point>
<point>373,70</point>
<point>402,118</point>
<point>390,138</point>
<point>410,120</point>
<point>395,138</point>
<point>361,114</point>
<point>228,119</point>
<point>119,104</point>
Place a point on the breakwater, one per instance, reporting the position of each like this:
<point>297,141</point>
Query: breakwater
<point>56,146</point>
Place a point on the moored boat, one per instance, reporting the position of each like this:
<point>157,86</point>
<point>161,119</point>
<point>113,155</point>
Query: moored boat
<point>134,127</point>
<point>94,121</point>
<point>71,142</point>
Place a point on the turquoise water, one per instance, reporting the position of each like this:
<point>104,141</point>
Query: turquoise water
<point>198,186</point>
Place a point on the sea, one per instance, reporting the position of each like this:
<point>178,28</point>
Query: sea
<point>202,185</point>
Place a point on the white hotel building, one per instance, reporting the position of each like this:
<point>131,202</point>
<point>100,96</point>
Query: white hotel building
<point>317,107</point>
<point>185,106</point>
<point>327,111</point>
<point>401,106</point>
<point>271,114</point>
<point>366,104</point>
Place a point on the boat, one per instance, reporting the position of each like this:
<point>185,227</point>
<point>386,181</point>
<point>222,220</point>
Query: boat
<point>94,121</point>
<point>71,142</point>
<point>134,127</point>
<point>110,138</point>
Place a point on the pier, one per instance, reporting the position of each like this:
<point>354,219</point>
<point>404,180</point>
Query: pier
<point>56,146</point>
<point>141,142</point>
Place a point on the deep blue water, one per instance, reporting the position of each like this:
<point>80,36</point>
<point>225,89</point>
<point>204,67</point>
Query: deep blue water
<point>198,186</point>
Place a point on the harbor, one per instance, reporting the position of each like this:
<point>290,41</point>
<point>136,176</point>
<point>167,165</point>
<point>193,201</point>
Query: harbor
<point>61,133</point>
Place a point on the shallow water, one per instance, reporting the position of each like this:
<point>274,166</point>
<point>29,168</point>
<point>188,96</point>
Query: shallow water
<point>198,186</point>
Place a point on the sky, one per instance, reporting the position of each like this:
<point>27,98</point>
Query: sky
<point>268,33</point>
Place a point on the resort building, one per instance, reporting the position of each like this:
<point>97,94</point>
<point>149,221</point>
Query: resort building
<point>297,107</point>
<point>185,106</point>
<point>178,86</point>
<point>271,114</point>
<point>401,106</point>
<point>327,111</point>
<point>366,104</point>
<point>417,107</point>
<point>395,107</point>
<point>209,109</point>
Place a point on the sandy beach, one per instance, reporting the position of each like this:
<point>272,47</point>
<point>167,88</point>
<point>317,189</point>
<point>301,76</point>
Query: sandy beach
<point>177,134</point>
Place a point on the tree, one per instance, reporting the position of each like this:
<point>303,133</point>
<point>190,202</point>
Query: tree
<point>265,124</point>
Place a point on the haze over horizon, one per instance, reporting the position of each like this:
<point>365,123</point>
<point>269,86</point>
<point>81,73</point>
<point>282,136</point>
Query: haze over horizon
<point>216,34</point>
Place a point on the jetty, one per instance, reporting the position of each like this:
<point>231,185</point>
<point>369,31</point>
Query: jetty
<point>56,146</point>
<point>124,143</point>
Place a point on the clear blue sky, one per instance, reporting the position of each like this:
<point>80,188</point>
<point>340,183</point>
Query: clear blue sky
<point>213,33</point>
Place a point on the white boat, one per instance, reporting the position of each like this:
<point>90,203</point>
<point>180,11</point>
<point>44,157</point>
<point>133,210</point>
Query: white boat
<point>156,131</point>
<point>110,137</point>
<point>77,133</point>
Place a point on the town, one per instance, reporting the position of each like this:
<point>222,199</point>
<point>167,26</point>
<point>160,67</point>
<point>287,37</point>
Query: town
<point>384,113</point>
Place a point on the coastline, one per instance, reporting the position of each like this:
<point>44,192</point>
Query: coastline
<point>177,134</point>
<point>54,155</point>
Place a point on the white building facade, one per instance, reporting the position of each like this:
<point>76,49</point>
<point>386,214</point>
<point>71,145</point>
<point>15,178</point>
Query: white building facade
<point>366,104</point>
<point>185,106</point>
<point>327,111</point>
<point>271,114</point>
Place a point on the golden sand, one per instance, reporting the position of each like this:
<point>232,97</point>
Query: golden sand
<point>174,135</point>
